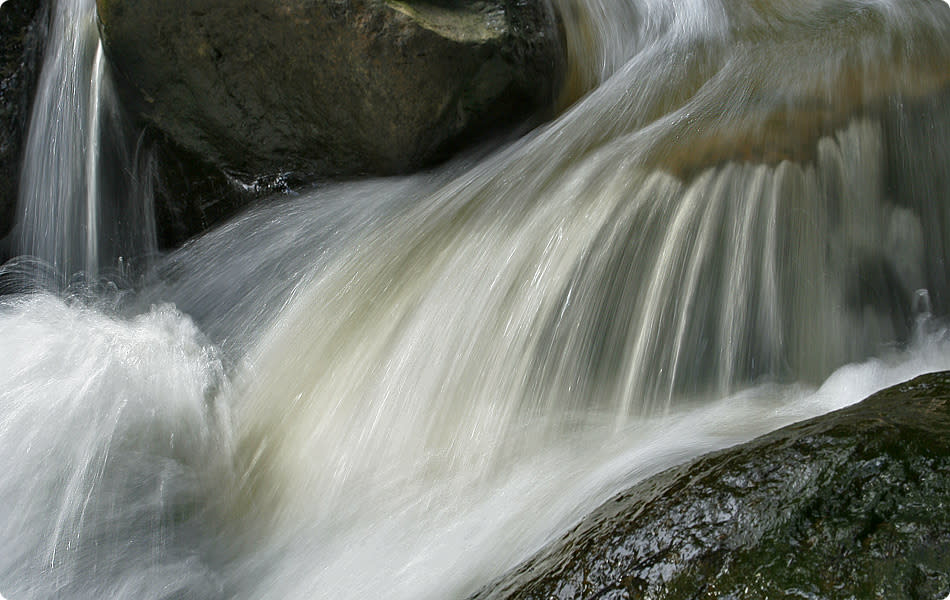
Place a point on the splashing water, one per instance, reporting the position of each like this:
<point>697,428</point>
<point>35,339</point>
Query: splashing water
<point>411,384</point>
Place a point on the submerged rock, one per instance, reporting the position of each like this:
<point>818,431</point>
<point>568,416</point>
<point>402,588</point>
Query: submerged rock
<point>22,33</point>
<point>787,75</point>
<point>854,504</point>
<point>331,87</point>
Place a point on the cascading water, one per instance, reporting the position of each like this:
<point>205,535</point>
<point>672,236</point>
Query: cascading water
<point>66,225</point>
<point>406,386</point>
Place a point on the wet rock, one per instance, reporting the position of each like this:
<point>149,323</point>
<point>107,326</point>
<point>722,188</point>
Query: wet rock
<point>854,504</point>
<point>23,26</point>
<point>191,195</point>
<point>331,87</point>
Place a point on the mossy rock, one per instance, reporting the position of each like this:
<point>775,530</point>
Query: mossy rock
<point>853,504</point>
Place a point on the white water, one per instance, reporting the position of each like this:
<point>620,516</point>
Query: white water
<point>404,387</point>
<point>75,217</point>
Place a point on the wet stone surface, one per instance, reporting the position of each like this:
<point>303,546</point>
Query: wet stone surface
<point>853,504</point>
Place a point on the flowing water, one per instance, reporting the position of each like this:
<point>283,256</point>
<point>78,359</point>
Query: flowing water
<point>63,221</point>
<point>403,387</point>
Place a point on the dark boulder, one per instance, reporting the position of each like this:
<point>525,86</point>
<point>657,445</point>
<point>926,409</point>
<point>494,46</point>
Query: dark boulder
<point>854,504</point>
<point>331,87</point>
<point>23,25</point>
<point>191,195</point>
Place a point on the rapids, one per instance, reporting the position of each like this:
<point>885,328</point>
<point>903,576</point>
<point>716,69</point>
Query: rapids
<point>403,387</point>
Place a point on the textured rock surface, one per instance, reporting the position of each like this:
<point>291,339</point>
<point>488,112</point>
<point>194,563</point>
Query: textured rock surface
<point>854,504</point>
<point>22,32</point>
<point>331,87</point>
<point>191,195</point>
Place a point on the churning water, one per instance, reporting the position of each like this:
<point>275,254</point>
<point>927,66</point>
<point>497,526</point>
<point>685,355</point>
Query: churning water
<point>403,387</point>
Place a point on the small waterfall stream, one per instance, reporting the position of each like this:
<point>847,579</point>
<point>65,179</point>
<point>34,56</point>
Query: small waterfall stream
<point>405,386</point>
<point>75,158</point>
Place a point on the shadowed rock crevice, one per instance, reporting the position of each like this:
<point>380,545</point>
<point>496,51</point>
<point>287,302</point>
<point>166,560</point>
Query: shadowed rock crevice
<point>23,25</point>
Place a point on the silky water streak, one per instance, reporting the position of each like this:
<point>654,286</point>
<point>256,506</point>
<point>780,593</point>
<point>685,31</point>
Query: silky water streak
<point>78,213</point>
<point>411,384</point>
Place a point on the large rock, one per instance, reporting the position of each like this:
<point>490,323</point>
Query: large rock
<point>854,504</point>
<point>331,87</point>
<point>22,34</point>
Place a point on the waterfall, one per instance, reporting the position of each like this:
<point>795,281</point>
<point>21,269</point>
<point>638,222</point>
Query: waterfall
<point>77,211</point>
<point>737,221</point>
